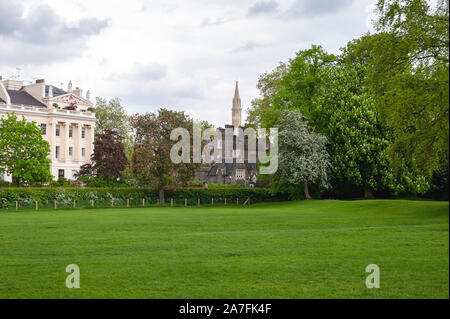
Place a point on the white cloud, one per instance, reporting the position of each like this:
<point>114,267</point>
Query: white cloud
<point>184,55</point>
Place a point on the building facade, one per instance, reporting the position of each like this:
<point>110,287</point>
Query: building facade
<point>64,116</point>
<point>234,166</point>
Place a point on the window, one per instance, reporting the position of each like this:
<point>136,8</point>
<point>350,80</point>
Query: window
<point>240,173</point>
<point>238,153</point>
<point>60,173</point>
<point>83,132</point>
<point>57,152</point>
<point>70,131</point>
<point>74,172</point>
<point>44,128</point>
<point>58,130</point>
<point>83,153</point>
<point>70,152</point>
<point>219,144</point>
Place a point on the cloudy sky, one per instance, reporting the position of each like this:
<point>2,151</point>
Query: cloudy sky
<point>179,54</point>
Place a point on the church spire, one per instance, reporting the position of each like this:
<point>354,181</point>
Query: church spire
<point>236,110</point>
<point>236,92</point>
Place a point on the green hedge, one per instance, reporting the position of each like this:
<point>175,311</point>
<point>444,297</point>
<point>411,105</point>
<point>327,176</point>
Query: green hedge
<point>66,195</point>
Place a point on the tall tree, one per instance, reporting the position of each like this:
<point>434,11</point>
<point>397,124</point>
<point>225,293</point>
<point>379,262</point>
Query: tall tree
<point>410,79</point>
<point>359,141</point>
<point>300,85</point>
<point>151,164</point>
<point>112,116</point>
<point>262,111</point>
<point>109,155</point>
<point>23,151</point>
<point>302,156</point>
<point>291,86</point>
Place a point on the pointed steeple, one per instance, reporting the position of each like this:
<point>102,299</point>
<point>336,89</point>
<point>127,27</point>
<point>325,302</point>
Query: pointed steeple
<point>236,110</point>
<point>236,92</point>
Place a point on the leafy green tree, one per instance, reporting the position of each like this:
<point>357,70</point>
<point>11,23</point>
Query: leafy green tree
<point>331,92</point>
<point>291,86</point>
<point>359,141</point>
<point>301,84</point>
<point>302,155</point>
<point>112,116</point>
<point>262,111</point>
<point>410,80</point>
<point>23,151</point>
<point>150,161</point>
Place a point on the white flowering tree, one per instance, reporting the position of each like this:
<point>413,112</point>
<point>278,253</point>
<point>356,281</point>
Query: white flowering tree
<point>303,158</point>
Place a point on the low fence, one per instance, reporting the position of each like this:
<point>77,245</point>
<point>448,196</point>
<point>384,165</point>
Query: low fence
<point>24,205</point>
<point>84,197</point>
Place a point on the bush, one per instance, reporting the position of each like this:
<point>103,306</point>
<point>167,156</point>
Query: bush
<point>4,183</point>
<point>220,194</point>
<point>99,181</point>
<point>61,181</point>
<point>66,195</point>
<point>226,186</point>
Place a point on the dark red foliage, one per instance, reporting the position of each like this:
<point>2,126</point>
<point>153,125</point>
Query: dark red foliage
<point>150,162</point>
<point>109,159</point>
<point>86,169</point>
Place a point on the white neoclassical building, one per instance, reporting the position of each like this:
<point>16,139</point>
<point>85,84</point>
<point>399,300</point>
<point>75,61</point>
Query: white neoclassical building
<point>66,123</point>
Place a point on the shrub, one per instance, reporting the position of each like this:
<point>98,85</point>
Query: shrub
<point>66,195</point>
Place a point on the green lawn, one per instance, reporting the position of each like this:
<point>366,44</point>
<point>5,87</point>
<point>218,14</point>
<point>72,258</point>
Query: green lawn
<point>305,249</point>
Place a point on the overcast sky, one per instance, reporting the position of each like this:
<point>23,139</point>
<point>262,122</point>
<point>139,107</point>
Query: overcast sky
<point>178,54</point>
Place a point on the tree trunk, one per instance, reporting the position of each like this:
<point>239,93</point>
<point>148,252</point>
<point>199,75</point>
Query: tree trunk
<point>308,197</point>
<point>368,194</point>
<point>161,196</point>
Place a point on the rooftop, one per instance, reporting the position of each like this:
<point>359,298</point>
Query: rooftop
<point>56,91</point>
<point>23,98</point>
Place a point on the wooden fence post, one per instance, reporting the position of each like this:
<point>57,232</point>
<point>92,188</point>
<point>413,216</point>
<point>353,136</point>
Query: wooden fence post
<point>237,201</point>
<point>225,201</point>
<point>74,203</point>
<point>36,205</point>
<point>198,202</point>
<point>171,202</point>
<point>128,202</point>
<point>185,202</point>
<point>212,201</point>
<point>157,202</point>
<point>92,202</point>
<point>55,203</point>
<point>143,202</point>
<point>17,205</point>
<point>112,202</point>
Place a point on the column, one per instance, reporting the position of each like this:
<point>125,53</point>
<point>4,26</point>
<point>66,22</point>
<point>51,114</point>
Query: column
<point>89,142</point>
<point>64,134</point>
<point>76,143</point>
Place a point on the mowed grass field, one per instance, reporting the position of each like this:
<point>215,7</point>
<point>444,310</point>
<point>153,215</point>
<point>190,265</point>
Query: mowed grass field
<point>304,249</point>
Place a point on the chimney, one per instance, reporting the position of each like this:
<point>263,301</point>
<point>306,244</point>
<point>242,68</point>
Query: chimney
<point>78,91</point>
<point>36,90</point>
